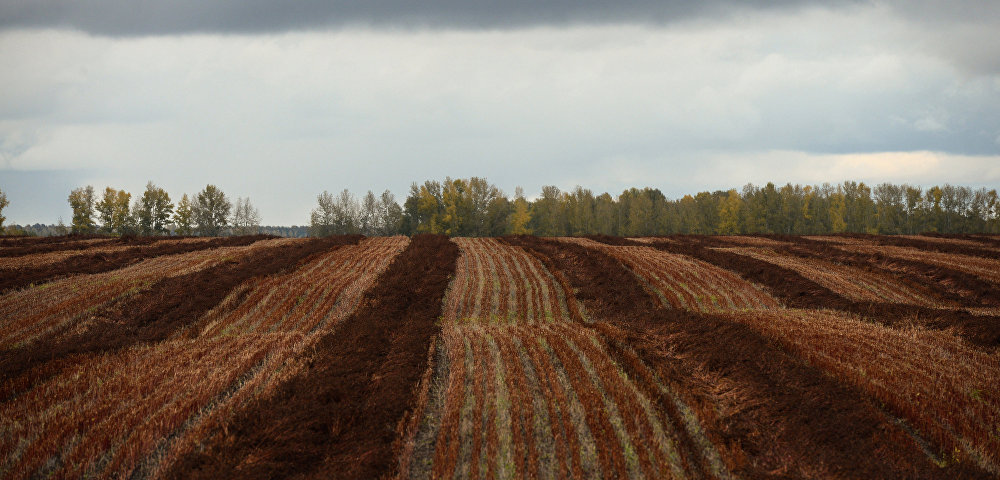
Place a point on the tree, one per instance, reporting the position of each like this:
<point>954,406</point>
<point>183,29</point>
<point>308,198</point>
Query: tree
<point>184,216</point>
<point>520,217</point>
<point>3,204</point>
<point>838,209</point>
<point>154,210</point>
<point>81,200</point>
<point>729,213</point>
<point>246,218</point>
<point>369,214</point>
<point>605,215</point>
<point>211,211</point>
<point>335,215</point>
<point>390,214</point>
<point>113,210</point>
<point>889,208</point>
<point>548,217</point>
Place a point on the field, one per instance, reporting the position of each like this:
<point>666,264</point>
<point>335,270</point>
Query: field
<point>848,356</point>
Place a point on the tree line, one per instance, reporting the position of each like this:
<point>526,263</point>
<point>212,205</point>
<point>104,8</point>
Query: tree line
<point>475,207</point>
<point>207,213</point>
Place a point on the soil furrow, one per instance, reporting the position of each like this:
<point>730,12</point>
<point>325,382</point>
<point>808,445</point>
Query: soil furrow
<point>338,418</point>
<point>780,415</point>
<point>103,262</point>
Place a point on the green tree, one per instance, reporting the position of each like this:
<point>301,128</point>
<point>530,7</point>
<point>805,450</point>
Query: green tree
<point>211,211</point>
<point>81,200</point>
<point>605,215</point>
<point>154,211</point>
<point>547,215</point>
<point>113,210</point>
<point>889,208</point>
<point>184,216</point>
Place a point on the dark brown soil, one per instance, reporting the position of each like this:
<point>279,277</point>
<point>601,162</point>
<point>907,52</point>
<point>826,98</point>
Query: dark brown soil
<point>102,262</point>
<point>21,251</point>
<point>153,314</point>
<point>796,291</point>
<point>967,289</point>
<point>339,418</point>
<point>927,245</point>
<point>795,421</point>
<point>20,240</point>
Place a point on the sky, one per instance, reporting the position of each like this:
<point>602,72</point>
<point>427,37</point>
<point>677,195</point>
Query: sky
<point>279,101</point>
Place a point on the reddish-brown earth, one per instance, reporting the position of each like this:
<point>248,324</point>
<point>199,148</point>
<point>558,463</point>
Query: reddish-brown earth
<point>339,418</point>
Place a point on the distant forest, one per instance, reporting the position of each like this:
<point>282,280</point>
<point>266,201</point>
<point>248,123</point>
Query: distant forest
<point>474,207</point>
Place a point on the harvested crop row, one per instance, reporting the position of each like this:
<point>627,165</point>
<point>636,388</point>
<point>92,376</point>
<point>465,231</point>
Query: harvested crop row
<point>749,241</point>
<point>797,291</point>
<point>685,283</point>
<point>985,268</point>
<point>145,431</point>
<point>310,298</point>
<point>108,411</point>
<point>88,263</point>
<point>762,408</point>
<point>17,241</point>
<point>839,239</point>
<point>965,242</point>
<point>19,251</point>
<point>495,282</point>
<point>539,401</point>
<point>853,283</point>
<point>158,311</point>
<point>66,304</point>
<point>39,260</point>
<point>338,416</point>
<point>929,378</point>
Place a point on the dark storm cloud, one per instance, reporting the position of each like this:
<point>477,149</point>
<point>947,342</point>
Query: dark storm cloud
<point>152,17</point>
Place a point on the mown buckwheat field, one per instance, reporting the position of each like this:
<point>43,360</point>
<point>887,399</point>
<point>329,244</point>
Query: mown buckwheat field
<point>769,356</point>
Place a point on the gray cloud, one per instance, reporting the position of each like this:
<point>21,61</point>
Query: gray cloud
<point>130,17</point>
<point>787,93</point>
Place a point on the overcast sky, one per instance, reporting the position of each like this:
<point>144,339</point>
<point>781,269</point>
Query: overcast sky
<point>279,101</point>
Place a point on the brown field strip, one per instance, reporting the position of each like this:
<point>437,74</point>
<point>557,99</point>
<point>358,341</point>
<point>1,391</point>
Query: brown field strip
<point>20,251</point>
<point>840,240</point>
<point>89,263</point>
<point>232,366</point>
<point>39,260</point>
<point>539,401</point>
<point>7,241</point>
<point>765,410</point>
<point>498,283</point>
<point>685,283</point>
<point>68,303</point>
<point>985,268</point>
<point>749,241</point>
<point>853,283</point>
<point>929,378</point>
<point>968,319</point>
<point>951,284</point>
<point>965,242</point>
<point>647,240</point>
<point>338,416</point>
<point>746,356</point>
<point>155,311</point>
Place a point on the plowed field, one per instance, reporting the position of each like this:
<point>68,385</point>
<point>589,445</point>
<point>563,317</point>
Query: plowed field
<point>518,357</point>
